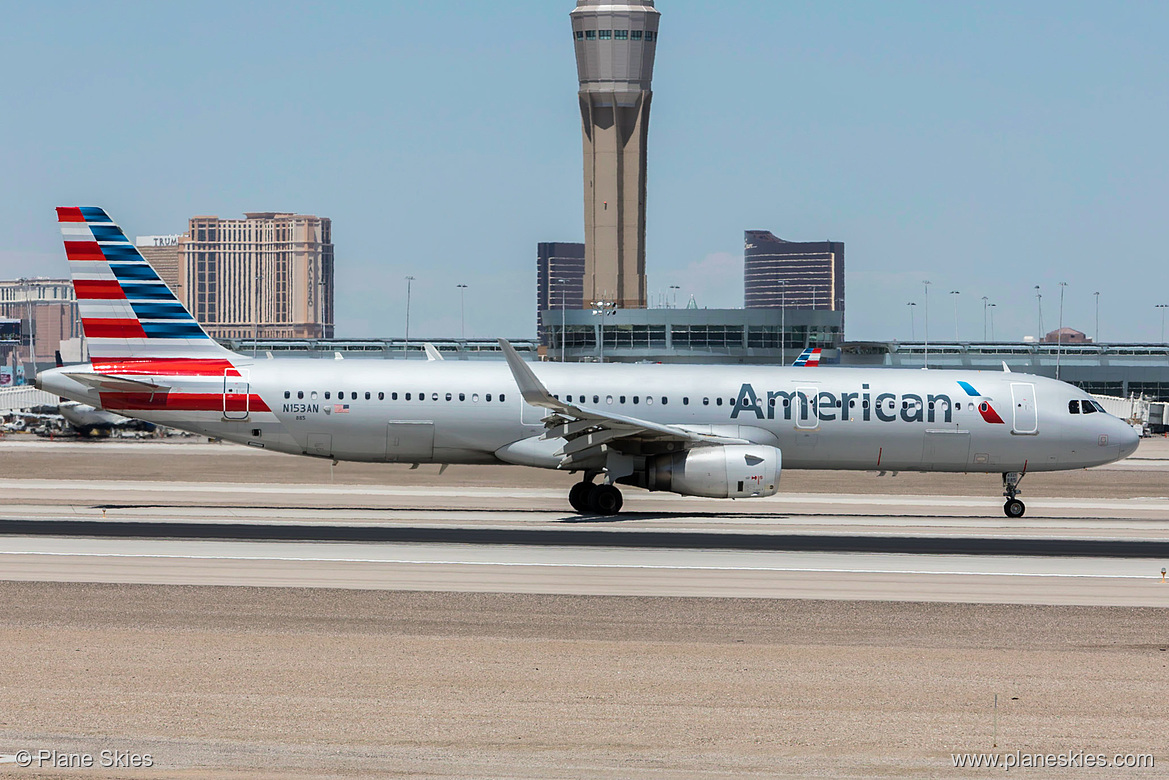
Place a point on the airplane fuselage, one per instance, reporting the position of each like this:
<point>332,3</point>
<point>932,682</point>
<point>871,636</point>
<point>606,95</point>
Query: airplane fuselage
<point>472,412</point>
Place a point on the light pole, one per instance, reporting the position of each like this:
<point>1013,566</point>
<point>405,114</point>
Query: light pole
<point>406,343</point>
<point>926,313</point>
<point>602,309</point>
<point>912,325</point>
<point>462,311</point>
<point>984,318</point>
<point>1039,306</point>
<point>560,283</point>
<point>1097,294</point>
<point>1162,307</point>
<point>1059,332</point>
<point>992,307</point>
<point>32,331</point>
<point>675,288</point>
<point>955,293</point>
<point>783,322</point>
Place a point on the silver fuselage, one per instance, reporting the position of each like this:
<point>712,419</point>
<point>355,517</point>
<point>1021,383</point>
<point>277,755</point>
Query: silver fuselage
<point>821,418</point>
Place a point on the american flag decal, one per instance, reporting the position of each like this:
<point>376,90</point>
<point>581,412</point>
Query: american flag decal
<point>341,408</point>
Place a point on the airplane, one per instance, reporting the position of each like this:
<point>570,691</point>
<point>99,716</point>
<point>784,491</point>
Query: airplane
<point>713,431</point>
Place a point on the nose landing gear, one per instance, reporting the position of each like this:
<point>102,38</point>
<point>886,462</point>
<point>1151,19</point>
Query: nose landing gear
<point>1013,508</point>
<point>589,499</point>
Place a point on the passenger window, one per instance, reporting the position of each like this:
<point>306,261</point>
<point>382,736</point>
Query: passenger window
<point>636,398</point>
<point>621,399</point>
<point>596,399</point>
<point>381,396</point>
<point>353,396</point>
<point>449,396</point>
<point>685,400</point>
<point>718,401</point>
<point>501,398</point>
<point>649,399</point>
<point>300,394</point>
<point>393,396</point>
<point>706,402</point>
<point>326,395</point>
<point>609,399</point>
<point>287,393</point>
<point>407,396</point>
<point>474,398</point>
<point>487,397</point>
<point>462,396</point>
<point>1074,406</point>
<point>313,395</point>
<point>665,400</point>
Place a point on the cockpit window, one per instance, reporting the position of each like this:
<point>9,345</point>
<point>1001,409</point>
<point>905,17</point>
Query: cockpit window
<point>1098,407</point>
<point>1089,407</point>
<point>1074,406</point>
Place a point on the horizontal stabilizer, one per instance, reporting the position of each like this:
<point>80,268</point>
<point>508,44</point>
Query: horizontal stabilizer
<point>116,384</point>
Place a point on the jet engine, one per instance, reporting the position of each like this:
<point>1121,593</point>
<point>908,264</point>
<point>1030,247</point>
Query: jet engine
<point>725,471</point>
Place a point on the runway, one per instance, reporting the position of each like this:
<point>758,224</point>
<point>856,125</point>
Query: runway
<point>434,531</point>
<point>378,620</point>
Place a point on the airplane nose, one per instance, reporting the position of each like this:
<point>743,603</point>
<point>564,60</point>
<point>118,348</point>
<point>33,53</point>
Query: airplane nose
<point>1128,439</point>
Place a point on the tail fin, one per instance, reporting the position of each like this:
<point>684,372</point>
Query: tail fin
<point>810,358</point>
<point>127,312</point>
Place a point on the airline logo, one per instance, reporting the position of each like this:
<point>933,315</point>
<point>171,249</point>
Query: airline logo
<point>984,408</point>
<point>809,357</point>
<point>126,309</point>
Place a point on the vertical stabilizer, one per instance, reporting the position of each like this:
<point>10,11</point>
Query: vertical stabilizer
<point>127,311</point>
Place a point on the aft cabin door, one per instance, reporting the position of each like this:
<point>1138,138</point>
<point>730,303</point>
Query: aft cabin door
<point>236,394</point>
<point>1026,419</point>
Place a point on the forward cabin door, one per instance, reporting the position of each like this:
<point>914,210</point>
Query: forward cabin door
<point>1026,416</point>
<point>236,394</point>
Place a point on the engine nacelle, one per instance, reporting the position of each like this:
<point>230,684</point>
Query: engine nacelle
<point>726,471</point>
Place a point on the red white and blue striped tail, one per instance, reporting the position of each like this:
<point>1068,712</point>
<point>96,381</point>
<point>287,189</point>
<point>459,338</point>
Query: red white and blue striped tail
<point>127,311</point>
<point>810,358</point>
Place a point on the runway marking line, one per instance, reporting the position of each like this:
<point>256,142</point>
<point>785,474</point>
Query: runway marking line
<point>811,570</point>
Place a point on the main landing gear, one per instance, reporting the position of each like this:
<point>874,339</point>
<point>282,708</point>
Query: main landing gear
<point>1013,507</point>
<point>589,499</point>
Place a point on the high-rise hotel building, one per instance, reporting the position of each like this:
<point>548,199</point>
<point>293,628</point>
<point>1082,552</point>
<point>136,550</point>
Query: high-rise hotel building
<point>792,274</point>
<point>269,275</point>
<point>559,283</point>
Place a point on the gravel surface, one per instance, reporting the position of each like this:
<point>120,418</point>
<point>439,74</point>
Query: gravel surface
<point>251,682</point>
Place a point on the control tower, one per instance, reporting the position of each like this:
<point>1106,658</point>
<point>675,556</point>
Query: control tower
<point>615,43</point>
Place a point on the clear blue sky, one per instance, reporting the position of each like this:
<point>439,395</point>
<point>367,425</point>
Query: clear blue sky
<point>988,147</point>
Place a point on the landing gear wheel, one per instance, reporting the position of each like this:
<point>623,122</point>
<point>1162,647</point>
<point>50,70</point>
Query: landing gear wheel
<point>578,496</point>
<point>605,500</point>
<point>1014,508</point>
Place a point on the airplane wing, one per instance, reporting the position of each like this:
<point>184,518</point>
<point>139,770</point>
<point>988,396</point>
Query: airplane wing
<point>585,430</point>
